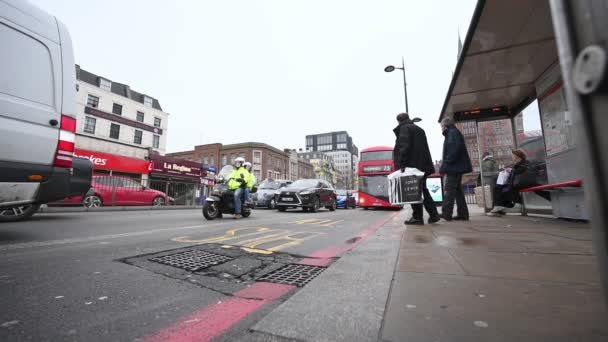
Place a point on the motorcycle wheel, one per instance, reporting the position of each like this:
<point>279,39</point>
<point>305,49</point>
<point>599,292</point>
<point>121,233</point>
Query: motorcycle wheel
<point>211,211</point>
<point>246,212</point>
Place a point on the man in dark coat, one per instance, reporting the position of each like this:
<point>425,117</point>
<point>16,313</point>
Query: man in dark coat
<point>456,162</point>
<point>412,150</point>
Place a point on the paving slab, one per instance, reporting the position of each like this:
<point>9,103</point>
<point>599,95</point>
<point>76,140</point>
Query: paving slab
<point>433,307</point>
<point>537,267</point>
<point>430,260</point>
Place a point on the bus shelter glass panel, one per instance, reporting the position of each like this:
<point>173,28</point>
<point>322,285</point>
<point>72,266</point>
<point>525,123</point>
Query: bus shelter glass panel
<point>495,143</point>
<point>530,138</point>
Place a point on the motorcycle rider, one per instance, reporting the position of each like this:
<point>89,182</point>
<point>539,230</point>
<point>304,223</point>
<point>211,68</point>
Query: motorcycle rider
<point>238,183</point>
<point>250,181</point>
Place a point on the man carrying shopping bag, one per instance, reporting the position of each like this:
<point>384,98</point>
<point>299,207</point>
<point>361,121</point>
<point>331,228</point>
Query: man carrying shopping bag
<point>412,150</point>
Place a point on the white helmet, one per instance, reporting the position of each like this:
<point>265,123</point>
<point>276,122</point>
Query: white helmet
<point>239,160</point>
<point>247,165</point>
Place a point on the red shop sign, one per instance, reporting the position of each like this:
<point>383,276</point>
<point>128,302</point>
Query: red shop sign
<point>106,161</point>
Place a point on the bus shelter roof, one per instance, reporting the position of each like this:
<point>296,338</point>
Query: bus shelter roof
<point>508,46</point>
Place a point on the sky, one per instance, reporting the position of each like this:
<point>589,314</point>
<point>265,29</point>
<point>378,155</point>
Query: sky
<point>274,71</point>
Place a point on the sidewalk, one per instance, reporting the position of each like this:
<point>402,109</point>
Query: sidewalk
<point>490,279</point>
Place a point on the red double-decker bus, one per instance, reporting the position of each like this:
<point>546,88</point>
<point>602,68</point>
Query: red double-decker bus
<point>375,164</point>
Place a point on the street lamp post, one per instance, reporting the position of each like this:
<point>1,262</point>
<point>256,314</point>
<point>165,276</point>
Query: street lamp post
<point>391,68</point>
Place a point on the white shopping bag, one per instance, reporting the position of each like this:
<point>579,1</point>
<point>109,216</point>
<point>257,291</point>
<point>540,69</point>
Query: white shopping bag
<point>405,187</point>
<point>503,177</point>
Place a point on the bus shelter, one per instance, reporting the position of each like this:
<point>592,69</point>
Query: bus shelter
<point>506,93</point>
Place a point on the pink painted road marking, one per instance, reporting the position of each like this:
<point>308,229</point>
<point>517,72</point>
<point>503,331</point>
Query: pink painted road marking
<point>215,319</point>
<point>212,321</point>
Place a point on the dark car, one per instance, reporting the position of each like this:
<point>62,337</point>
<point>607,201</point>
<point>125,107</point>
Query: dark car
<point>308,194</point>
<point>346,199</point>
<point>268,191</point>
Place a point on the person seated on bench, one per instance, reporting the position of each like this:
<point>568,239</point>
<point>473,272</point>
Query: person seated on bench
<point>521,175</point>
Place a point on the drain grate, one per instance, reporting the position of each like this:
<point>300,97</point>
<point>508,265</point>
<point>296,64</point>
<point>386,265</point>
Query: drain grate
<point>192,260</point>
<point>293,274</point>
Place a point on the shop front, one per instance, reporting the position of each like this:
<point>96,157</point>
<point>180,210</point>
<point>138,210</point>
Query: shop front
<point>113,165</point>
<point>178,178</point>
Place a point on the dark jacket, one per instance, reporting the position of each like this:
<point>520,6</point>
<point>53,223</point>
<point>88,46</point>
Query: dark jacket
<point>411,148</point>
<point>522,176</point>
<point>455,155</point>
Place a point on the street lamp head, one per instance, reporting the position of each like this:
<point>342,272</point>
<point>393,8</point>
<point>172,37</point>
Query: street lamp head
<point>389,68</point>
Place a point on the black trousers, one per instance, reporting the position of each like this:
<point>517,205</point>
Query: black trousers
<point>505,197</point>
<point>427,201</point>
<point>452,192</point>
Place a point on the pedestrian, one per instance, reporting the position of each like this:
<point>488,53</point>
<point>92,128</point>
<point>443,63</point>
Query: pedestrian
<point>456,162</point>
<point>521,175</point>
<point>412,150</point>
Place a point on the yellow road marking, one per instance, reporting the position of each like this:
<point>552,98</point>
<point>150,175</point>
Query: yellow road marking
<point>255,250</point>
<point>319,222</point>
<point>229,235</point>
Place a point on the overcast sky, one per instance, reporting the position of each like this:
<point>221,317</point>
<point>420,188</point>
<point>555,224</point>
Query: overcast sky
<point>274,71</point>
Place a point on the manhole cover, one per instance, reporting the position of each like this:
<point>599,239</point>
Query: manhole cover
<point>293,274</point>
<point>192,260</point>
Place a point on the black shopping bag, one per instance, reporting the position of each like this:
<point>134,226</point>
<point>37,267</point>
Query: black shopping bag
<point>405,188</point>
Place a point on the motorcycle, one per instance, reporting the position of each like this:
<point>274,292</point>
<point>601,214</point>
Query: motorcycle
<point>221,201</point>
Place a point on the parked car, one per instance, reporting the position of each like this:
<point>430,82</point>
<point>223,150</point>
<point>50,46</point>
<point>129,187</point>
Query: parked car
<point>346,199</point>
<point>308,194</point>
<point>121,191</point>
<point>268,192</point>
<point>37,112</point>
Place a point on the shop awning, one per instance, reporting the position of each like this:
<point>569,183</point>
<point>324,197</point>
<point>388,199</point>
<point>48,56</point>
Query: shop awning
<point>509,44</point>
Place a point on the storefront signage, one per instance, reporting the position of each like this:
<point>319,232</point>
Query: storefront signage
<point>122,120</point>
<point>175,167</point>
<point>106,161</point>
<point>485,113</point>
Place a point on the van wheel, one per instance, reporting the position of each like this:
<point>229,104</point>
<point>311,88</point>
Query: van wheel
<point>14,214</point>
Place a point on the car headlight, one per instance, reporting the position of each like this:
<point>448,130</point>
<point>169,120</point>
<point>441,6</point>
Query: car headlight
<point>277,192</point>
<point>305,193</point>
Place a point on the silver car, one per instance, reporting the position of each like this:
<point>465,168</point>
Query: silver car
<point>267,192</point>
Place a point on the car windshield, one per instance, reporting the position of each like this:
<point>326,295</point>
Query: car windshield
<point>272,185</point>
<point>304,183</point>
<point>341,192</point>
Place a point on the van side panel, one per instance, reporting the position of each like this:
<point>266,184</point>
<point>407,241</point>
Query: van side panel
<point>30,95</point>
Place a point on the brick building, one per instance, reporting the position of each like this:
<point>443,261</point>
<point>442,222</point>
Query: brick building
<point>268,161</point>
<point>495,137</point>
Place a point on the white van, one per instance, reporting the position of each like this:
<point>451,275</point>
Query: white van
<point>37,111</point>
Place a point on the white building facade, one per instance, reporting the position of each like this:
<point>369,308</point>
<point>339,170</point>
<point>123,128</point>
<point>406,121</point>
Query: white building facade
<point>114,119</point>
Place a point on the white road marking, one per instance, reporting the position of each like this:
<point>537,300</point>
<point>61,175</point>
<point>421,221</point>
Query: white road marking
<point>103,298</point>
<point>9,323</point>
<point>59,297</point>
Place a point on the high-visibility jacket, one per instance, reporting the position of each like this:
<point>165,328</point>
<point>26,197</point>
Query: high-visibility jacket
<point>250,181</point>
<point>240,173</point>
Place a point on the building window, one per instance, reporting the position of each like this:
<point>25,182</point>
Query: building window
<point>92,101</point>
<point>308,141</point>
<point>140,116</point>
<point>114,131</point>
<point>342,145</point>
<point>156,141</point>
<point>105,84</point>
<point>224,160</point>
<point>117,109</point>
<point>89,125</point>
<point>257,174</point>
<point>257,157</point>
<point>157,122</point>
<point>138,135</point>
<point>242,155</point>
<point>341,137</point>
<point>232,158</point>
<point>212,161</point>
<point>148,101</point>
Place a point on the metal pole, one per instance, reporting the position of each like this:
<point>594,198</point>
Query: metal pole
<point>524,211</point>
<point>480,158</point>
<point>407,110</point>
